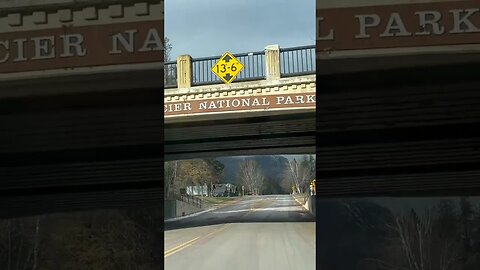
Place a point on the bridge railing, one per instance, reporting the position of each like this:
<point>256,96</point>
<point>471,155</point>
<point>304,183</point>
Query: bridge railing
<point>190,199</point>
<point>170,75</point>
<point>294,61</point>
<point>297,61</point>
<point>253,68</point>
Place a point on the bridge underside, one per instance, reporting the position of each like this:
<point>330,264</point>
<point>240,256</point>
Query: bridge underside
<point>404,132</point>
<point>292,133</point>
<point>80,151</point>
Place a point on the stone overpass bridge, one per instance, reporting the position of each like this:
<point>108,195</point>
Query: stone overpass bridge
<point>269,109</point>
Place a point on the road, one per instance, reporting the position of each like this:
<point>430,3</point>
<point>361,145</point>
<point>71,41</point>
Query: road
<point>257,232</point>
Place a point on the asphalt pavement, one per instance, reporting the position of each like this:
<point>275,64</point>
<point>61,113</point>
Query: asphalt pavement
<point>257,232</point>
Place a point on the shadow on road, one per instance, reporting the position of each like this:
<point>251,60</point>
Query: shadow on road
<point>242,216</point>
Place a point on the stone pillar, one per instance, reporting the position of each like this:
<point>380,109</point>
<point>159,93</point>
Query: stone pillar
<point>184,71</point>
<point>272,62</point>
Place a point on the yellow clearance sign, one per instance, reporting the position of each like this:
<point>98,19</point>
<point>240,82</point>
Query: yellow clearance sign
<point>227,67</point>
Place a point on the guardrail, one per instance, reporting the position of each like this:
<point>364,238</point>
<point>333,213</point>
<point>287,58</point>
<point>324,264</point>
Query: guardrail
<point>190,199</point>
<point>295,61</point>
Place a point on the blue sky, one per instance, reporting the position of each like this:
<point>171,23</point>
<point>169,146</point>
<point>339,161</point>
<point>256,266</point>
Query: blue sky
<point>211,27</point>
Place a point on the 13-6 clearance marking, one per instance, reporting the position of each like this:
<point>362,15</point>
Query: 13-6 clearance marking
<point>227,68</point>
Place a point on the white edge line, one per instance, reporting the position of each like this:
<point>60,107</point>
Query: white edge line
<point>193,214</point>
<point>300,204</point>
<point>189,216</point>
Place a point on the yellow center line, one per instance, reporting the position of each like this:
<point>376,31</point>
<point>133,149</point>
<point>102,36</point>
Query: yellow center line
<point>180,247</point>
<point>191,242</point>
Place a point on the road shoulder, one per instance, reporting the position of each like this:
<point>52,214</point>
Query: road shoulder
<point>211,207</point>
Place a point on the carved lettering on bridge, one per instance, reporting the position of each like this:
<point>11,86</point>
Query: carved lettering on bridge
<point>406,24</point>
<point>248,103</point>
<point>82,46</point>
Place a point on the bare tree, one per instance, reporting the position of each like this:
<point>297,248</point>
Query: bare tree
<point>250,175</point>
<point>466,218</point>
<point>36,242</point>
<point>417,244</point>
<point>170,71</point>
<point>170,175</point>
<point>293,174</point>
<point>168,49</point>
<point>301,173</point>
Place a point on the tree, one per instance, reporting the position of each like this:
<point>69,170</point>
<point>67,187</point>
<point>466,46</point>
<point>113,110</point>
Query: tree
<point>168,49</point>
<point>170,175</point>
<point>170,70</point>
<point>308,164</point>
<point>466,218</point>
<point>251,176</point>
<point>192,172</point>
<point>216,167</point>
<point>17,241</point>
<point>446,218</point>
<point>299,174</point>
<point>415,242</point>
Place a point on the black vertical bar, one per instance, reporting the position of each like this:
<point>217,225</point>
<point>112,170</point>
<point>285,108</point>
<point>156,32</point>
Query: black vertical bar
<point>258,59</point>
<point>298,60</point>
<point>257,65</point>
<point>200,71</point>
<point>246,62</point>
<point>195,73</point>
<point>251,65</point>
<point>309,59</point>
<point>302,59</point>
<point>210,74</point>
<point>289,61</point>
<point>263,66</point>
<point>193,69</point>
<point>214,78</point>
<point>314,59</point>
<point>248,68</point>
<point>281,62</point>
<point>205,74</point>
<point>245,66</point>
<point>294,58</point>
<point>210,64</point>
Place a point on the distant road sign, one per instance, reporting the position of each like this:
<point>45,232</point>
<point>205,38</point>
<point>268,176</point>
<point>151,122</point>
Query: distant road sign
<point>227,67</point>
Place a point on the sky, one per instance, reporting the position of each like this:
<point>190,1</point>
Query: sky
<point>203,28</point>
